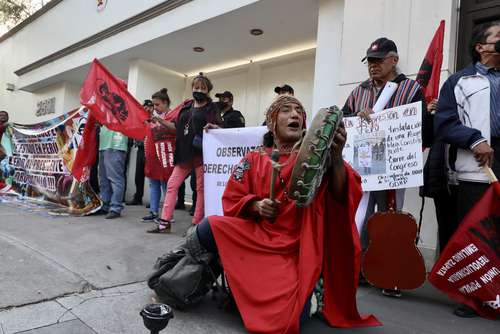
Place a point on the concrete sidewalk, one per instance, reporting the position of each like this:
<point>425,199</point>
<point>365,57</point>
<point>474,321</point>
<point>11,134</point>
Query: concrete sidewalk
<point>65,275</point>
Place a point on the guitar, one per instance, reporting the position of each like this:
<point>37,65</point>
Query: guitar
<point>392,260</point>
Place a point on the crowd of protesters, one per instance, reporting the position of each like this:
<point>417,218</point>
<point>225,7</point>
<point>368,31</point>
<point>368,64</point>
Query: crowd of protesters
<point>462,128</point>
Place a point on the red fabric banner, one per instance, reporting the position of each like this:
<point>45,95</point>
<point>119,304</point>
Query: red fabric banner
<point>111,104</point>
<point>468,269</point>
<point>430,71</point>
<point>87,150</point>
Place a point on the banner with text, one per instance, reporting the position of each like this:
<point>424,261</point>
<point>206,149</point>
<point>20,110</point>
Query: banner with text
<point>223,150</point>
<point>40,161</point>
<point>387,152</point>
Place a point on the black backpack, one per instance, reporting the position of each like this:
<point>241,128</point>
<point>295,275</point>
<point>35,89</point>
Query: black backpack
<point>183,276</point>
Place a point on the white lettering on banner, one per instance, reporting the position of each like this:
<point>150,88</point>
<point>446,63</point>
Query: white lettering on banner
<point>387,152</point>
<point>223,150</point>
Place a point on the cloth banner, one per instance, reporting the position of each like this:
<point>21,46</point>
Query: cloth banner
<point>429,73</point>
<point>110,104</point>
<point>468,269</point>
<point>387,152</point>
<point>40,158</point>
<point>223,150</point>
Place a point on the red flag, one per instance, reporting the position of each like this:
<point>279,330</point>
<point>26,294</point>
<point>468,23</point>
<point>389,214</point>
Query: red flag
<point>430,71</point>
<point>111,104</point>
<point>87,150</point>
<point>468,270</point>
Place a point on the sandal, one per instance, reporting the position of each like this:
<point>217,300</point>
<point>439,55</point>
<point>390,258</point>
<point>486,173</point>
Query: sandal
<point>164,227</point>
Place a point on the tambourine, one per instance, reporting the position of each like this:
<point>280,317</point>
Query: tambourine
<point>313,156</point>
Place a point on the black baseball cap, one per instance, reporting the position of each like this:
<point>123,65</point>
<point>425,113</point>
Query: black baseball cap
<point>283,89</point>
<point>224,94</point>
<point>380,48</point>
<point>148,103</point>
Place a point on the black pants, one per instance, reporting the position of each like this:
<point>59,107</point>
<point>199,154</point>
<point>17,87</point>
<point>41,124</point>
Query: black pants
<point>139,174</point>
<point>446,214</point>
<point>206,236</point>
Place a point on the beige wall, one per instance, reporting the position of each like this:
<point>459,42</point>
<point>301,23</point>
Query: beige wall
<point>253,85</point>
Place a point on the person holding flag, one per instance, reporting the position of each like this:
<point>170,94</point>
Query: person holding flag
<point>468,117</point>
<point>121,116</point>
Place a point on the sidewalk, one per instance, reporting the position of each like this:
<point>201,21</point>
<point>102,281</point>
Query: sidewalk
<point>67,275</point>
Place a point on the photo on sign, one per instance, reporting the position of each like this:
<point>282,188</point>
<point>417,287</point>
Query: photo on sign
<point>370,153</point>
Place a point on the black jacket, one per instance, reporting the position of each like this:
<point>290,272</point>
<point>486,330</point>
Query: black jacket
<point>233,119</point>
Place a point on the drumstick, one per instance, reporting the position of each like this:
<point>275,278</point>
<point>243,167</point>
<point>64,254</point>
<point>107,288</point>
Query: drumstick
<point>490,174</point>
<point>275,156</point>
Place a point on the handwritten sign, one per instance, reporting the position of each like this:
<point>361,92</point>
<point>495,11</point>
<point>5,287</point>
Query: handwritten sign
<point>387,152</point>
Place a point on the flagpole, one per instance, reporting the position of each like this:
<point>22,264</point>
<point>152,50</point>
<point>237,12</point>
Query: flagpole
<point>490,174</point>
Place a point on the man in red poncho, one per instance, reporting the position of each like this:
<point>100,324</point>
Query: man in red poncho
<point>273,253</point>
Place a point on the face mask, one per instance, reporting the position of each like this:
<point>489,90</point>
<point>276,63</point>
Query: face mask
<point>200,96</point>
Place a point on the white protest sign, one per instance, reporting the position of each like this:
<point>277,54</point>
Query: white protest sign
<point>223,150</point>
<point>387,152</point>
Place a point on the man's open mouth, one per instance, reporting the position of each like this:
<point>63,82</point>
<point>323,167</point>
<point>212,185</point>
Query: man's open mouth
<point>293,125</point>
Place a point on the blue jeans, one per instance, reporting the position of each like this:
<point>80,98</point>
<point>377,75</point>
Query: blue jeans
<point>156,187</point>
<point>112,179</point>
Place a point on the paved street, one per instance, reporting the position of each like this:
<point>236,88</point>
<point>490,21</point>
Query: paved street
<point>67,275</point>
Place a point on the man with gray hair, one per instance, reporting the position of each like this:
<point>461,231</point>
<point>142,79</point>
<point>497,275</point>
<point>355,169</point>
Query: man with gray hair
<point>382,59</point>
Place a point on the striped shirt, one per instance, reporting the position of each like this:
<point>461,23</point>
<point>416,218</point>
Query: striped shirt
<point>365,95</point>
<point>493,76</point>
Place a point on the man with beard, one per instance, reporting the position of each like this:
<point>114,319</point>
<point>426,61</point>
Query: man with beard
<point>273,253</point>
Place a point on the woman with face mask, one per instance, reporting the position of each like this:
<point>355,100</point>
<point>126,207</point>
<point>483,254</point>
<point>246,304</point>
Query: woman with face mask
<point>194,117</point>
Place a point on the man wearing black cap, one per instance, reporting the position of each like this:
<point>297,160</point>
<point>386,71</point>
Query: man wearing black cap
<point>284,90</point>
<point>230,118</point>
<point>382,59</point>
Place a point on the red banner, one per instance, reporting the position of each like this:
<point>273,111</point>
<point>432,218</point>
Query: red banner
<point>430,71</point>
<point>468,270</point>
<point>111,104</point>
<point>87,151</point>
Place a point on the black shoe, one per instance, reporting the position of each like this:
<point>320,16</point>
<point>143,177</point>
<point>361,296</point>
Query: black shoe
<point>464,311</point>
<point>150,218</point>
<point>191,212</point>
<point>160,221</point>
<point>180,206</point>
<point>134,202</point>
<point>148,206</point>
<point>392,293</point>
<point>99,213</point>
<point>113,215</point>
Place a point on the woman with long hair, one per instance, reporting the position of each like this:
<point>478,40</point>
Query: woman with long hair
<point>196,116</point>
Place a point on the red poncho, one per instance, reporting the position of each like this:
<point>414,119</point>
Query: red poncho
<point>272,268</point>
<point>159,146</point>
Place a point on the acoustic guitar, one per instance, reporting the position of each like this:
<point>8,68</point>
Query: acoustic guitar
<point>392,260</point>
